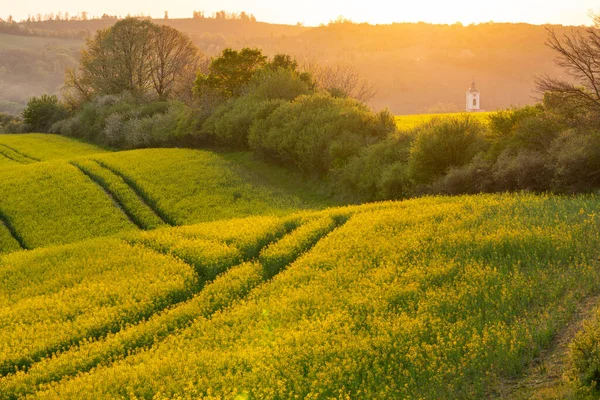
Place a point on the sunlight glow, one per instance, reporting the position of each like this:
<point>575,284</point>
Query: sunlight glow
<point>315,12</point>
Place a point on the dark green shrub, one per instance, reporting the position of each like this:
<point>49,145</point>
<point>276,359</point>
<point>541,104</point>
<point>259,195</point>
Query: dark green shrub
<point>318,133</point>
<point>442,144</point>
<point>475,177</point>
<point>230,123</point>
<point>41,112</point>
<point>528,170</point>
<point>575,159</point>
<point>371,175</point>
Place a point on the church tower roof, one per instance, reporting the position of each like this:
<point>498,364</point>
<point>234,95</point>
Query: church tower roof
<point>473,87</point>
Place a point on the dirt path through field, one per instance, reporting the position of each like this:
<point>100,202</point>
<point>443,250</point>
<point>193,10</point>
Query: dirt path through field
<point>544,378</point>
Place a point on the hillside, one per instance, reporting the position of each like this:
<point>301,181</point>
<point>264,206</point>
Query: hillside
<point>428,298</point>
<point>83,191</point>
<point>417,68</point>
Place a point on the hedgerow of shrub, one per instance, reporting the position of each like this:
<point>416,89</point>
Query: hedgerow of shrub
<point>443,144</point>
<point>318,133</point>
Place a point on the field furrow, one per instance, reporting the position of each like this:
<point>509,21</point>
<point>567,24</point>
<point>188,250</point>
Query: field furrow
<point>53,203</point>
<point>68,313</point>
<point>136,209</point>
<point>8,241</point>
<point>21,153</point>
<point>142,194</point>
<point>230,286</point>
<point>14,156</point>
<point>428,298</point>
<point>7,162</point>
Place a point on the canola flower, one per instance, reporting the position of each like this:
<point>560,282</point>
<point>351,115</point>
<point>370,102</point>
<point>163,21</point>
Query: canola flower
<point>428,298</point>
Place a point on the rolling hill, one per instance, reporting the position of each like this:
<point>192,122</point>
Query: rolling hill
<point>417,68</point>
<point>173,273</point>
<point>83,191</point>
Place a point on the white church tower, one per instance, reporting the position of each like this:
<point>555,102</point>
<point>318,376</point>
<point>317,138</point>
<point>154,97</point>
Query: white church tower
<point>473,98</point>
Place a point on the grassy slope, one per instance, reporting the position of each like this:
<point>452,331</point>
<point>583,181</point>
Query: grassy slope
<point>46,147</point>
<point>410,121</point>
<point>54,203</point>
<point>74,198</point>
<point>431,298</point>
<point>189,186</point>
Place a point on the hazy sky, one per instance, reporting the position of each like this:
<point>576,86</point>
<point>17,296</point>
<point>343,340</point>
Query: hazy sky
<point>315,12</point>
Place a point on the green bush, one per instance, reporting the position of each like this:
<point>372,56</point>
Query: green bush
<point>318,133</point>
<point>230,123</point>
<point>575,160</point>
<point>378,172</point>
<point>585,354</point>
<point>528,170</point>
<point>473,178</point>
<point>43,111</point>
<point>443,144</point>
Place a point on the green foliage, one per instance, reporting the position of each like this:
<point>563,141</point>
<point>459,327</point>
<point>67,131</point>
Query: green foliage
<point>230,123</point>
<point>42,112</point>
<point>584,354</point>
<point>444,144</point>
<point>318,133</point>
<point>230,72</point>
<point>575,157</point>
<point>378,172</point>
<point>132,56</point>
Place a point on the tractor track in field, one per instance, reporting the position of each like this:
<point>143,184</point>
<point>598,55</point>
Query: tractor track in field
<point>33,159</point>
<point>113,199</point>
<point>130,214</point>
<point>544,377</point>
<point>5,221</point>
<point>144,197</point>
<point>133,349</point>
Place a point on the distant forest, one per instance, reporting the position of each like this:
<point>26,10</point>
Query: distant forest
<point>416,68</point>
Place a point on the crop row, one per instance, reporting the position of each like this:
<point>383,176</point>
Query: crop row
<point>128,284</point>
<point>431,298</point>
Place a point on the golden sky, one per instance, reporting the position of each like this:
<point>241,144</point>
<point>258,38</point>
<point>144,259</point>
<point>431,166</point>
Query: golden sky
<point>315,12</point>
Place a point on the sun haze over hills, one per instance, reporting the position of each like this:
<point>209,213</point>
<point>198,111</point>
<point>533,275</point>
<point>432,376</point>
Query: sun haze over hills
<point>314,12</point>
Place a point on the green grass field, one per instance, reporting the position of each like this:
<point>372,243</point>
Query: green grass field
<point>404,122</point>
<point>266,290</point>
<point>86,192</point>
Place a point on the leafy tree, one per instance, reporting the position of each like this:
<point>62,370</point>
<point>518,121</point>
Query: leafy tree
<point>42,112</point>
<point>229,73</point>
<point>134,56</point>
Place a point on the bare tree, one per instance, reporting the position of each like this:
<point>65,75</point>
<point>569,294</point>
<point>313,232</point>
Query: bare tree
<point>579,54</point>
<point>174,57</point>
<point>340,78</point>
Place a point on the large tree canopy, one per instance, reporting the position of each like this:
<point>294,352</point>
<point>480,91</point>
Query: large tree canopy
<point>135,56</point>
